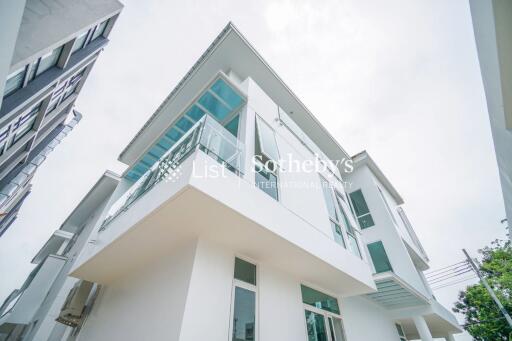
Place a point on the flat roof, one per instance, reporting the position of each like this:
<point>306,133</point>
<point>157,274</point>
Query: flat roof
<point>229,51</point>
<point>363,158</point>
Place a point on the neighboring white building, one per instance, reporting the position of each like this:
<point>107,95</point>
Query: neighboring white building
<point>199,241</point>
<point>48,49</point>
<point>492,24</point>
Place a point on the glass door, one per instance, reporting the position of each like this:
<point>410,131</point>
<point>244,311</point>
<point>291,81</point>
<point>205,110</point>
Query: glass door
<point>322,326</point>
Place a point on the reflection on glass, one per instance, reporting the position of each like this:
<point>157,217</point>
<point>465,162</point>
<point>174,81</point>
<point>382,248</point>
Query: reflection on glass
<point>244,317</point>
<point>315,327</point>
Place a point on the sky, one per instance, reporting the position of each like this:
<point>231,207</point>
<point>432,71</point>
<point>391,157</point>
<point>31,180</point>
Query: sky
<point>399,79</point>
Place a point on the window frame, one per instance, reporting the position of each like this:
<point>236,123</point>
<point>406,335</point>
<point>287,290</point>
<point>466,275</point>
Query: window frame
<point>350,230</point>
<point>369,213</point>
<point>247,286</point>
<point>326,315</point>
<point>385,253</point>
<point>21,70</point>
<point>264,153</point>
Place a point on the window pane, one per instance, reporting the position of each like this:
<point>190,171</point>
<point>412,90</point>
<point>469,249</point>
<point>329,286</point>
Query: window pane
<point>353,245</point>
<point>214,106</point>
<point>319,300</point>
<point>267,140</point>
<point>399,329</point>
<point>329,200</point>
<point>232,126</point>
<point>379,257</point>
<point>315,327</point>
<point>338,329</point>
<point>14,81</point>
<point>244,313</point>
<point>245,271</point>
<point>266,181</point>
<point>48,61</point>
<point>338,235</point>
<point>228,95</point>
<point>366,221</point>
<point>359,203</point>
<point>79,42</point>
<point>99,30</point>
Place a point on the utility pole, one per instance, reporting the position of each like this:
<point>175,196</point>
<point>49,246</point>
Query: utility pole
<point>489,289</point>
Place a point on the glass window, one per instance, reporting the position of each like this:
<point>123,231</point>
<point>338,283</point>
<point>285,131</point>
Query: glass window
<point>361,209</point>
<point>195,113</point>
<point>48,60</point>
<point>245,271</point>
<point>338,235</point>
<point>99,30</point>
<point>79,42</point>
<point>319,300</point>
<point>184,124</point>
<point>329,200</point>
<point>244,315</point>
<point>400,332</point>
<point>379,257</point>
<point>266,141</point>
<point>336,329</point>
<point>266,181</point>
<point>226,93</point>
<point>24,129</point>
<point>214,106</point>
<point>232,126</point>
<point>14,81</point>
<point>351,232</point>
<point>315,325</point>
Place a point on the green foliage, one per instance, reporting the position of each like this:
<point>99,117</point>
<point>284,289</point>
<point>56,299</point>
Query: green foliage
<point>484,321</point>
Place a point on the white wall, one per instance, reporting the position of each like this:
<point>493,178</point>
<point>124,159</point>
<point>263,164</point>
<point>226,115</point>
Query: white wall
<point>366,321</point>
<point>147,305</point>
<point>384,229</point>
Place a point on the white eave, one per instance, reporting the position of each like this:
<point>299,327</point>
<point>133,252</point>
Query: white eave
<point>229,51</point>
<point>363,158</point>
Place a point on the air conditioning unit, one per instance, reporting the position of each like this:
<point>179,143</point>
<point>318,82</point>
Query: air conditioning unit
<point>73,308</point>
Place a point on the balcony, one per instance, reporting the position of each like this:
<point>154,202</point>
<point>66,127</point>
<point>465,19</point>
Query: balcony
<point>199,189</point>
<point>20,307</point>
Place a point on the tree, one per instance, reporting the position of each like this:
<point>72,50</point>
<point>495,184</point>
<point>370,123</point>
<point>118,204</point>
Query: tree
<point>483,320</point>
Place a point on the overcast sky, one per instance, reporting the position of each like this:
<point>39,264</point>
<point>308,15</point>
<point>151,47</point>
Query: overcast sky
<point>398,78</point>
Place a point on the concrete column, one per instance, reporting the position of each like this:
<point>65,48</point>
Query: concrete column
<point>422,327</point>
<point>449,337</point>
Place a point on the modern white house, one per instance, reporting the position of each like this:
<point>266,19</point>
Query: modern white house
<point>239,217</point>
<point>48,49</point>
<point>492,24</point>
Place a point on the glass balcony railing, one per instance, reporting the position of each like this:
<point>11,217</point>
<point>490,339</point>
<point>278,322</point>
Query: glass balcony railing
<point>206,135</point>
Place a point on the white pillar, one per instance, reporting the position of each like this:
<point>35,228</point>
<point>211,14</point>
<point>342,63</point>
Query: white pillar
<point>422,327</point>
<point>449,337</point>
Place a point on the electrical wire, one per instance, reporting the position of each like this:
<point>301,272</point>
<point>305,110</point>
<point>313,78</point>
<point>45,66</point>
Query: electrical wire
<point>446,267</point>
<point>448,276</point>
<point>444,270</point>
<point>444,285</point>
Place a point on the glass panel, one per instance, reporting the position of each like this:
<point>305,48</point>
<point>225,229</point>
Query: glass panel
<point>228,95</point>
<point>379,257</point>
<point>338,235</point>
<point>14,81</point>
<point>354,247</point>
<point>227,149</point>
<point>4,133</point>
<point>24,129</point>
<point>173,134</point>
<point>232,126</point>
<point>399,329</point>
<point>315,326</point>
<point>195,113</point>
<point>33,70</point>
<point>244,315</point>
<point>214,106</point>
<point>184,124</point>
<point>319,300</point>
<point>266,181</point>
<point>267,140</point>
<point>337,325</point>
<point>79,42</point>
<point>99,30</point>
<point>245,271</point>
<point>366,221</point>
<point>361,208</point>
<point>48,61</point>
<point>329,200</point>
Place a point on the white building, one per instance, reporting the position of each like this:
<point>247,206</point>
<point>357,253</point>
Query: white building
<point>492,24</point>
<point>199,241</point>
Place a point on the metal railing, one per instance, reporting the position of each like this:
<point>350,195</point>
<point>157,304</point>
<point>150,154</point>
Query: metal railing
<point>206,135</point>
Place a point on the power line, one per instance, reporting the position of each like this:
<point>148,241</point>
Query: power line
<point>451,268</point>
<point>449,276</point>
<point>446,267</point>
<point>444,285</point>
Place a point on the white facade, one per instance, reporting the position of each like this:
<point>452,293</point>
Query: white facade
<point>199,246</point>
<point>492,26</point>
